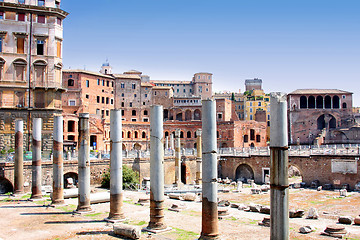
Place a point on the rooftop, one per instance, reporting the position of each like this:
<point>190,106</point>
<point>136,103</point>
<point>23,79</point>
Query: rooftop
<point>319,91</point>
<point>86,72</point>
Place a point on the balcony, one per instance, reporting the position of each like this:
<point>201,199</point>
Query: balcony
<point>47,85</point>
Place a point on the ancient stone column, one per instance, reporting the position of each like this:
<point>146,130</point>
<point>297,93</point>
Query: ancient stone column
<point>84,164</point>
<point>198,156</point>
<point>172,141</point>
<point>36,159</point>
<point>58,165</point>
<point>19,157</point>
<point>177,158</point>
<point>279,184</point>
<point>156,169</point>
<point>209,226</point>
<point>167,143</point>
<point>116,172</point>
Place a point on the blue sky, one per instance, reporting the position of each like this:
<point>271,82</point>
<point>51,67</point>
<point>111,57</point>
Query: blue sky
<point>290,44</point>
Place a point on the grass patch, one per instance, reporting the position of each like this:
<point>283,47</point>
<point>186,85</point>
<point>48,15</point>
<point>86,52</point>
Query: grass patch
<point>27,196</point>
<point>43,202</point>
<point>231,219</point>
<point>253,222</point>
<point>128,201</point>
<point>184,235</point>
<point>68,208</point>
<point>93,214</point>
<point>140,223</point>
<point>6,200</point>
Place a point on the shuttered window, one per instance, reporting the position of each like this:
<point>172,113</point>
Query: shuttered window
<point>58,52</point>
<point>20,45</point>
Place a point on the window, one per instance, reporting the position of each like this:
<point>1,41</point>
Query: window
<point>122,85</point>
<point>145,112</point>
<point>0,44</point>
<point>57,3</point>
<point>20,67</point>
<point>184,90</point>
<point>21,17</point>
<point>155,93</point>
<point>58,49</point>
<point>103,82</point>
<point>97,99</point>
<point>41,19</point>
<point>70,82</point>
<point>130,104</point>
<point>87,83</point>
<point>72,102</point>
<point>122,95</point>
<point>133,112</point>
<point>40,47</point>
<point>107,83</point>
<point>71,126</point>
<point>250,104</point>
<point>102,112</point>
<point>259,104</point>
<point>122,104</point>
<point>107,100</point>
<point>111,101</point>
<point>20,43</point>
<point>246,138</point>
<point>251,117</point>
<point>145,93</point>
<point>1,15</point>
<point>166,93</point>
<point>102,99</point>
<point>41,2</point>
<point>107,112</point>
<point>87,96</point>
<point>133,86</point>
<point>59,21</point>
<point>97,111</point>
<point>98,82</point>
<point>21,1</point>
<point>258,138</point>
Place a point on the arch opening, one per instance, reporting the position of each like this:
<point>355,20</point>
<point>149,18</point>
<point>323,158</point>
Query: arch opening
<point>70,180</point>
<point>5,186</point>
<point>244,172</point>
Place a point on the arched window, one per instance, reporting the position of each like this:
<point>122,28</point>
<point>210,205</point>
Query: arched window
<point>20,69</point>
<point>166,133</point>
<point>122,134</point>
<point>70,82</point>
<point>136,134</point>
<point>145,112</point>
<point>303,102</point>
<point>133,112</point>
<point>143,135</point>
<point>332,123</point>
<point>181,134</point>
<point>344,105</point>
<point>311,102</point>
<point>128,134</point>
<point>187,115</point>
<point>327,102</point>
<point>336,102</point>
<point>188,134</point>
<point>319,102</point>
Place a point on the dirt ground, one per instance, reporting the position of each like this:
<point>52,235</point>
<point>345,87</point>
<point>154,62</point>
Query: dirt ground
<point>22,219</point>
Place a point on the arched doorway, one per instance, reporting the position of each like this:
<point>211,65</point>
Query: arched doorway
<point>244,172</point>
<point>5,186</point>
<point>68,183</point>
<point>184,173</point>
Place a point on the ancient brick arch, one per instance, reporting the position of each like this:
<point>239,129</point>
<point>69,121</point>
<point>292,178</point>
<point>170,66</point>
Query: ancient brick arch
<point>244,172</point>
<point>5,186</point>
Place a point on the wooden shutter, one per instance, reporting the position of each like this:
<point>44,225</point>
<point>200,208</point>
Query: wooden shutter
<point>20,45</point>
<point>58,49</point>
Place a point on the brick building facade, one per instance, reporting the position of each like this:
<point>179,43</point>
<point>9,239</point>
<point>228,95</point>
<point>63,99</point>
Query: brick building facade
<point>321,116</point>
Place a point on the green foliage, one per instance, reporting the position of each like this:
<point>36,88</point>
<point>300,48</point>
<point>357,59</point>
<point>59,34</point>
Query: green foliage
<point>130,178</point>
<point>11,150</point>
<point>3,151</point>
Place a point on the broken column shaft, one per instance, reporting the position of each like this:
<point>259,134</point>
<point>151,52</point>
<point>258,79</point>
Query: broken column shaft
<point>84,164</point>
<point>209,227</point>
<point>19,157</point>
<point>279,183</point>
<point>198,156</point>
<point>177,157</point>
<point>36,159</point>
<point>58,170</point>
<point>116,172</point>
<point>156,169</point>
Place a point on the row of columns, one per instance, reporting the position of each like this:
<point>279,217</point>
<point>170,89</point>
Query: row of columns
<point>206,172</point>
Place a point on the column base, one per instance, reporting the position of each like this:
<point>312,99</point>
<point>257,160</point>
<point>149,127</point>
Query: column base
<point>115,220</point>
<point>83,210</point>
<point>58,202</point>
<point>154,230</point>
<point>209,237</point>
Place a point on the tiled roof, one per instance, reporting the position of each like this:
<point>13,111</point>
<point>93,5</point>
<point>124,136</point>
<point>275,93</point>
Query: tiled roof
<point>86,72</point>
<point>319,91</point>
<point>126,76</point>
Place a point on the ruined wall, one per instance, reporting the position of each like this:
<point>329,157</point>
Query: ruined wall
<point>315,167</point>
